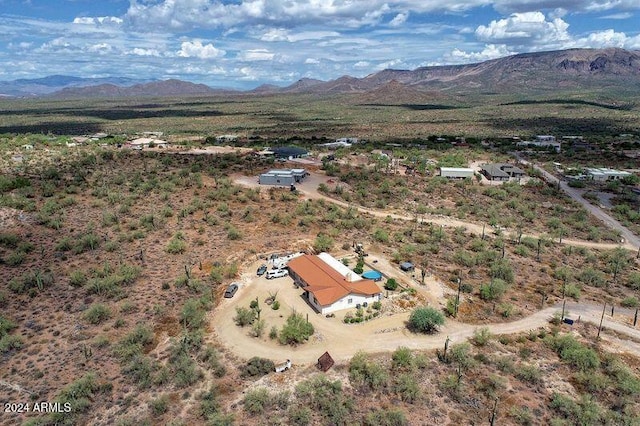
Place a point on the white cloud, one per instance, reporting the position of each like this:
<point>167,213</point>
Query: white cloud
<point>490,51</point>
<point>257,55</point>
<point>280,34</point>
<point>608,38</point>
<point>144,52</point>
<point>311,61</point>
<point>399,19</point>
<point>618,16</point>
<point>195,49</point>
<point>100,48</point>
<point>527,29</point>
<point>362,64</point>
<point>101,20</point>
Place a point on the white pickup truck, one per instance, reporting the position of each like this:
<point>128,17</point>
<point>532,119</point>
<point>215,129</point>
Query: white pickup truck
<point>283,367</point>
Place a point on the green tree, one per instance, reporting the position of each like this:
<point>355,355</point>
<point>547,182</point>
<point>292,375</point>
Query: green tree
<point>296,330</point>
<point>322,243</point>
<point>425,319</point>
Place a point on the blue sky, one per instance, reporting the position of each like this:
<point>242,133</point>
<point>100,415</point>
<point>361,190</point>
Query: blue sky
<point>245,43</point>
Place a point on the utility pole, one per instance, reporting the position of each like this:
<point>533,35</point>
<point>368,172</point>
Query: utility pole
<point>601,319</point>
<point>563,310</point>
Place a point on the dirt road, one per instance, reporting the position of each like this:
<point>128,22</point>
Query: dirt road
<point>387,333</point>
<point>632,241</point>
<point>310,189</point>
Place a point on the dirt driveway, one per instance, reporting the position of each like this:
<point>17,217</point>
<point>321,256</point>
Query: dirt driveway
<point>382,334</point>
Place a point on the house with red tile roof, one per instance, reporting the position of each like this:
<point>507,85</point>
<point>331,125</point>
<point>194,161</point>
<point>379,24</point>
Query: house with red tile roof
<point>331,286</point>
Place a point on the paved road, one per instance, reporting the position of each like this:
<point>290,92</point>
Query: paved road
<point>631,240</point>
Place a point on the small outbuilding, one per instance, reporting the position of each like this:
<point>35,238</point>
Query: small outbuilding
<point>282,177</point>
<point>325,362</point>
<point>456,172</point>
<point>289,152</point>
<point>407,266</point>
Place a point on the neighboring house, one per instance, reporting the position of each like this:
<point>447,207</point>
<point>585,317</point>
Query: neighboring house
<point>456,172</point>
<point>542,141</point>
<point>501,171</point>
<point>146,143</point>
<point>226,138</point>
<point>283,177</point>
<point>605,174</point>
<point>289,152</point>
<point>334,145</point>
<point>329,285</point>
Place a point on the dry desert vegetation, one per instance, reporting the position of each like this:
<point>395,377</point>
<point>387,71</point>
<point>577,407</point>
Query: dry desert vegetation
<point>114,265</point>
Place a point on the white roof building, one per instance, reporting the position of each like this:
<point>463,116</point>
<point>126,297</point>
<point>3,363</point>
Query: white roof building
<point>456,172</point>
<point>604,174</point>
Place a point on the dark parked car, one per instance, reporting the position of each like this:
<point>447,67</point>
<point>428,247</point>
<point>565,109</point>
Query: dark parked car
<point>231,290</point>
<point>262,269</point>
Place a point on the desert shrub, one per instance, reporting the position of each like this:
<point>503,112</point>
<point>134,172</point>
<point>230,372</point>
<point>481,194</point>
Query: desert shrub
<point>501,269</point>
<point>402,358</point>
<point>296,330</point>
<point>257,328</point>
<point>256,401</point>
<point>64,244</point>
<point>97,313</point>
<point>529,373</point>
<point>630,302</point>
<point>634,281</point>
<point>493,290</point>
<point>380,235</point>
<point>367,374</point>
<point>211,357</point>
<point>257,367</point>
<point>184,369</point>
<point>8,342</point>
<point>79,394</point>
<point>86,242</point>
<point>299,415</point>
<point>159,405</point>
<point>385,417</point>
<point>585,411</point>
<point>31,281</point>
<point>323,242</point>
<point>624,380</point>
<point>15,258</point>
<point>572,290</point>
<point>481,336</point>
<point>77,278</point>
<point>140,369</point>
<point>505,309</point>
<point>425,320</point>
<point>592,277</point>
<point>406,387</point>
<point>8,239</point>
<point>521,415</point>
<point>326,398</point>
<point>177,244</point>
<point>573,352</point>
<point>244,316</point>
<point>193,314</point>
<point>391,284</point>
<point>134,342</point>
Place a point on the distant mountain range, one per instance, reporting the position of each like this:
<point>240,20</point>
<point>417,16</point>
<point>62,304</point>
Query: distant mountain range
<point>573,69</point>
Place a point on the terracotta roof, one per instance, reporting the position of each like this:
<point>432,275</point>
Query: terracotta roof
<point>326,284</point>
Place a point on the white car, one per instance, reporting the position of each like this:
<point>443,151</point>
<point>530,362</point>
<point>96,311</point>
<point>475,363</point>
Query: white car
<point>277,273</point>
